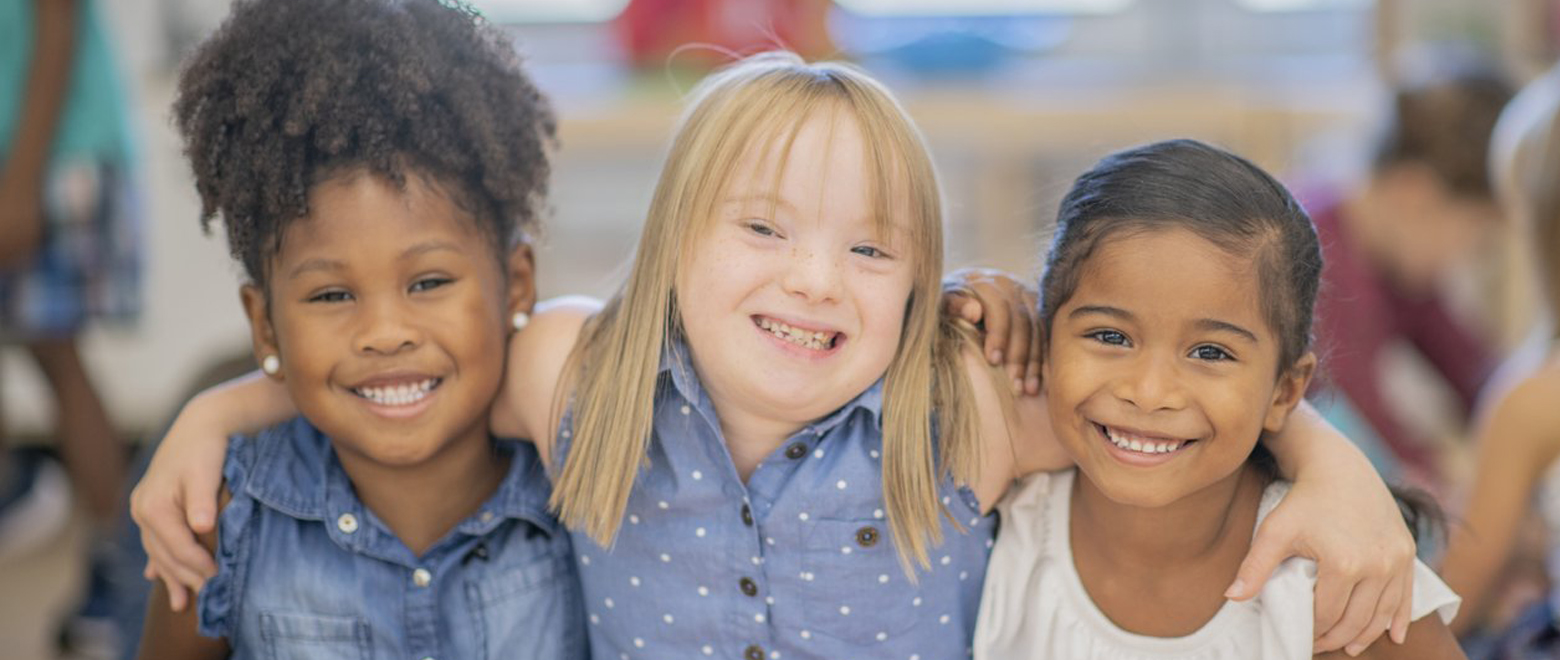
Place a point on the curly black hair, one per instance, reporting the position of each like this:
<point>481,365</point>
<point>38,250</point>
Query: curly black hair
<point>288,93</point>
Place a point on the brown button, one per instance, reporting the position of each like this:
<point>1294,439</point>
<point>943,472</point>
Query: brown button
<point>749,587</point>
<point>753,653</point>
<point>747,515</point>
<point>796,451</point>
<point>867,537</point>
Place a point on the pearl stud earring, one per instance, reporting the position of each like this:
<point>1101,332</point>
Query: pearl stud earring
<point>271,364</point>
<point>519,320</point>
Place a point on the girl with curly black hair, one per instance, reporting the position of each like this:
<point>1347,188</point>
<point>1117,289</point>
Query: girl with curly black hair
<point>377,165</point>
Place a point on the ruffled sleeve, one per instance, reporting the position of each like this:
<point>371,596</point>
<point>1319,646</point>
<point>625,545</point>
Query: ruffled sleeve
<point>217,605</point>
<point>1288,598</point>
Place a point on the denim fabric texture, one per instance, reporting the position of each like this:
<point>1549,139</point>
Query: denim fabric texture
<point>797,563</point>
<point>306,571</point>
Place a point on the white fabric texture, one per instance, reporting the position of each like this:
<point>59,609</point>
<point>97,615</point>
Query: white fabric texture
<point>1035,606</point>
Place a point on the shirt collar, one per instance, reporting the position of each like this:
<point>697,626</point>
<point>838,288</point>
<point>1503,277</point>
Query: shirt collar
<point>298,474</point>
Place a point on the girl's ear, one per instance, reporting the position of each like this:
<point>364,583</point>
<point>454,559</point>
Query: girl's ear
<point>521,269</point>
<point>261,334</point>
<point>1291,389</point>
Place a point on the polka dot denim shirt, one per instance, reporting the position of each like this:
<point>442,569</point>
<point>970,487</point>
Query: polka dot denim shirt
<point>797,563</point>
<point>306,571</point>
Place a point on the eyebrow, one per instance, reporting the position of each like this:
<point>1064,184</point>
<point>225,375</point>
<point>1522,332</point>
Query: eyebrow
<point>332,265</point>
<point>1205,324</point>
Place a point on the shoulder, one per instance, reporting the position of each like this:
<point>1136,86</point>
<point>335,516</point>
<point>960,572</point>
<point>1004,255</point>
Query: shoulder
<point>1533,399</point>
<point>537,357</point>
<point>1526,421</point>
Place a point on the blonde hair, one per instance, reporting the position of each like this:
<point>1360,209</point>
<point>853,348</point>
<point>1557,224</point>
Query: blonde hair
<point>1526,162</point>
<point>760,102</point>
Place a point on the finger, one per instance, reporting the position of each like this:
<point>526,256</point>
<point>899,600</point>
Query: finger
<point>997,321</point>
<point>956,304</point>
<point>1356,617</point>
<point>1036,350</point>
<point>1329,598</point>
<point>1018,345</point>
<point>972,311</point>
<point>173,550</point>
<point>176,596</point>
<point>1268,549</point>
<point>200,501</point>
<point>168,568</point>
<point>1381,620</point>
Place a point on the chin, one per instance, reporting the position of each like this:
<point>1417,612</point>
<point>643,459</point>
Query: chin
<point>1138,492</point>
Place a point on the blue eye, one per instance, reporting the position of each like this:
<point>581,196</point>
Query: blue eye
<point>331,296</point>
<point>429,283</point>
<point>760,228</point>
<point>868,251</point>
<point>1211,353</point>
<point>1111,337</point>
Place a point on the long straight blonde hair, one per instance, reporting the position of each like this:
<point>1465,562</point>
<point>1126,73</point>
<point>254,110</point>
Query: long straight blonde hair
<point>757,103</point>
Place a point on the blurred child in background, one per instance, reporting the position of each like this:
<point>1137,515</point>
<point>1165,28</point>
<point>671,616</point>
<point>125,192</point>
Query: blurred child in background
<point>1388,243</point>
<point>1519,437</point>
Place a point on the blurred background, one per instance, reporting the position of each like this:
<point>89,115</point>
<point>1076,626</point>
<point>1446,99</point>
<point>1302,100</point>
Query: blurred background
<point>1016,97</point>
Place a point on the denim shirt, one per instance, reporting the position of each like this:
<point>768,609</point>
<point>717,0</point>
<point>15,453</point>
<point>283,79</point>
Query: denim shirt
<point>306,571</point>
<point>797,563</point>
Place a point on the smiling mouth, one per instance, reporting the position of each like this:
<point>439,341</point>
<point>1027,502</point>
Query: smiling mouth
<point>1142,444</point>
<point>404,394</point>
<point>814,340</point>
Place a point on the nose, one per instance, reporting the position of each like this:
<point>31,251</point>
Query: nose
<point>813,275</point>
<point>385,327</point>
<point>1152,384</point>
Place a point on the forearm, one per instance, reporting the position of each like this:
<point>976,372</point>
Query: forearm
<point>48,79</point>
<point>247,404</point>
<point>1308,444</point>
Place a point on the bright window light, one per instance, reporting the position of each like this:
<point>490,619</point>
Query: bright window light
<point>981,7</point>
<point>549,11</point>
<point>1301,5</point>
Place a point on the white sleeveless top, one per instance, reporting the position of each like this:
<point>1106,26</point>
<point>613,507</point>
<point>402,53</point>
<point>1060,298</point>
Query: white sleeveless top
<point>1035,606</point>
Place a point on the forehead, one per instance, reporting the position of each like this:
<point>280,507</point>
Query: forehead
<point>360,214</point>
<point>1172,276</point>
<point>823,167</point>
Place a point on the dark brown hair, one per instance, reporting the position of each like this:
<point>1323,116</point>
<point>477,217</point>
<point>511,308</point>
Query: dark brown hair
<point>1445,124</point>
<point>1217,195</point>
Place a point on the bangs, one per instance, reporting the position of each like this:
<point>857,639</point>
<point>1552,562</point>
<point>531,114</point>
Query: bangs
<point>753,136</point>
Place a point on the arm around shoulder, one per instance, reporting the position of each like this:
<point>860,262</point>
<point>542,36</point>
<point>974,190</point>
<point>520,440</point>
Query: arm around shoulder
<point>1016,437</point>
<point>535,368</point>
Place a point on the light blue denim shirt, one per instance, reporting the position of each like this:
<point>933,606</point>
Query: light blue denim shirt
<point>306,571</point>
<point>796,563</point>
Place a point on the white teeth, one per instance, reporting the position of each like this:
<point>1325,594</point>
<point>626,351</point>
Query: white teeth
<point>1139,444</point>
<point>399,395</point>
<point>814,340</point>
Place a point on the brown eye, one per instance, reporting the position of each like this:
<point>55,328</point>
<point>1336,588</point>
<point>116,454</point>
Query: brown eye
<point>430,283</point>
<point>1111,337</point>
<point>331,296</point>
<point>1211,353</point>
